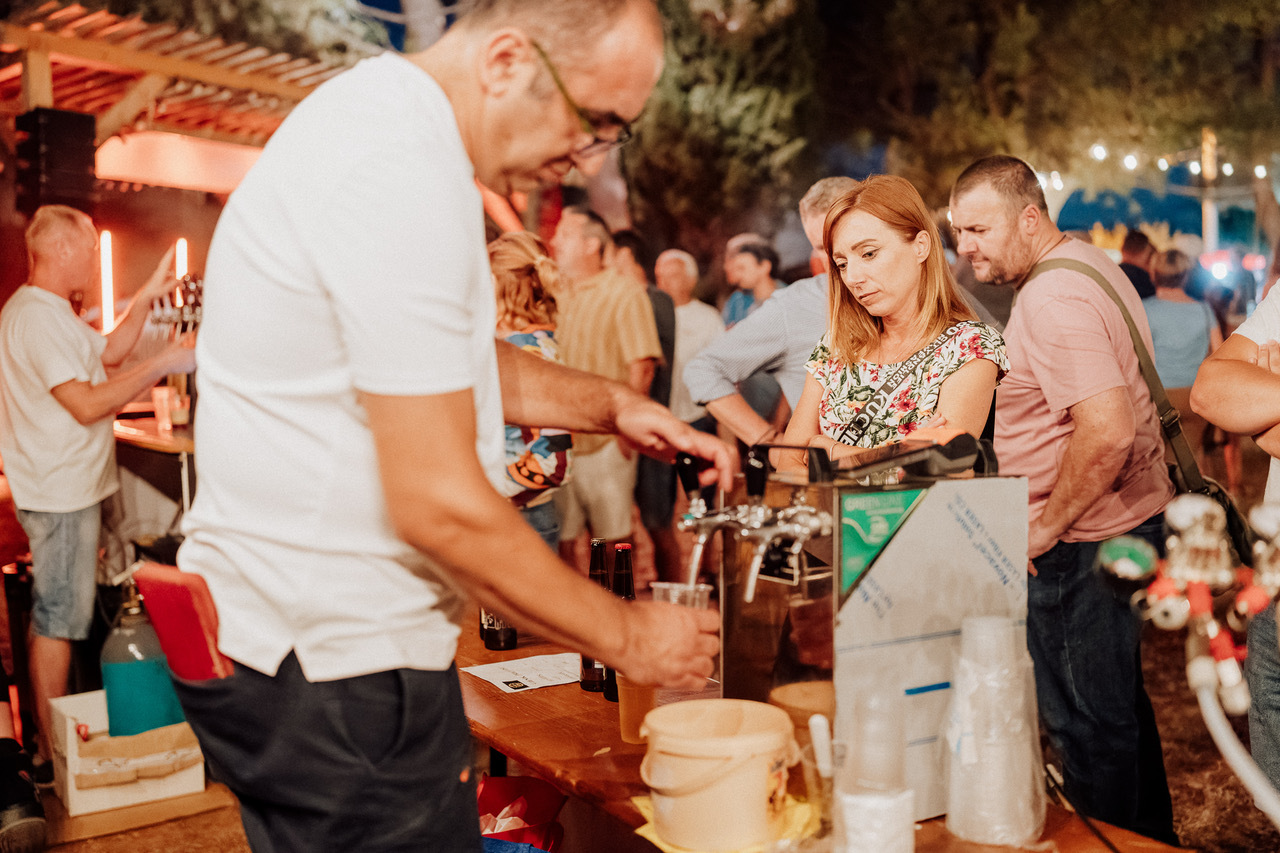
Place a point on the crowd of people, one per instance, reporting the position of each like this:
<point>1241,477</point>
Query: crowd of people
<point>397,415</point>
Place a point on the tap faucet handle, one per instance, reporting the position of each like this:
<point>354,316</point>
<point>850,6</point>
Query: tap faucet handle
<point>687,468</point>
<point>756,471</point>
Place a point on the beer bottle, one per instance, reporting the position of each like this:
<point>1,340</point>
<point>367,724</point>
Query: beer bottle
<point>592,677</point>
<point>623,587</point>
<point>498,635</point>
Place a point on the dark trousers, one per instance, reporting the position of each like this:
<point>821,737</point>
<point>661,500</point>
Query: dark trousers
<point>379,762</point>
<point>1084,640</point>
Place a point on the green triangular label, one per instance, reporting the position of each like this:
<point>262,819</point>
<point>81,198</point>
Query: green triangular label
<point>868,520</point>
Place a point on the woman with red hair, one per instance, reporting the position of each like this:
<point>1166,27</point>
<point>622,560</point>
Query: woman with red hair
<point>903,351</point>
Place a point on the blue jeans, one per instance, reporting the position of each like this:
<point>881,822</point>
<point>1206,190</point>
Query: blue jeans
<point>1084,640</point>
<point>543,519</point>
<point>1262,670</point>
<point>64,568</point>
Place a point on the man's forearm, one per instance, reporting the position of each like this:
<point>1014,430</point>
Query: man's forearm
<point>1236,395</point>
<point>91,403</point>
<point>124,337</point>
<point>537,392</point>
<point>1088,469</point>
<point>1269,441</point>
<point>734,412</point>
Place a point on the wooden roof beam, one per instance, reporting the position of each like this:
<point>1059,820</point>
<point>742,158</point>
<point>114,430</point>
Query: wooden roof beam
<point>144,61</point>
<point>37,79</point>
<point>135,102</point>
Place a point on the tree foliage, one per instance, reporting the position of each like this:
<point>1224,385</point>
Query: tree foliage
<point>320,29</point>
<point>720,142</point>
<point>946,81</point>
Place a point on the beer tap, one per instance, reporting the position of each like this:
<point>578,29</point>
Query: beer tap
<point>702,522</point>
<point>787,530</point>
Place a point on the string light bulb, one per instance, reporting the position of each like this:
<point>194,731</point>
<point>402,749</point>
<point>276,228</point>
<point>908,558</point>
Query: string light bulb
<point>1194,167</point>
<point>1228,169</point>
<point>1162,164</point>
<point>1099,152</point>
<point>1259,171</point>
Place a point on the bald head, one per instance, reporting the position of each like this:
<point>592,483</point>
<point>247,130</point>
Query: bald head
<point>539,87</point>
<point>560,26</point>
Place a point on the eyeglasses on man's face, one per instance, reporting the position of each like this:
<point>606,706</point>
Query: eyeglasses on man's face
<point>590,124</point>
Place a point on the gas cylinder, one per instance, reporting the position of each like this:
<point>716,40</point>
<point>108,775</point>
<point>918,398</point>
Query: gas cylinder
<point>135,674</point>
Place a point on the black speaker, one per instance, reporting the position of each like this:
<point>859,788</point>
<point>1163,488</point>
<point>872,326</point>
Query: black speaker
<point>55,156</point>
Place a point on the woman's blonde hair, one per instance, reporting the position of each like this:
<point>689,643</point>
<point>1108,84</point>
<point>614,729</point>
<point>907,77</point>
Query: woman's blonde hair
<point>526,280</point>
<point>1171,268</point>
<point>896,203</point>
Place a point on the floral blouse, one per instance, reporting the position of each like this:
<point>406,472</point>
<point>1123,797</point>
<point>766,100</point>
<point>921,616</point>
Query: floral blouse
<point>846,390</point>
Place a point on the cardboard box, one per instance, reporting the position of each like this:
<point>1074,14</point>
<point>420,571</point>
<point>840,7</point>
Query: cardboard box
<point>104,773</point>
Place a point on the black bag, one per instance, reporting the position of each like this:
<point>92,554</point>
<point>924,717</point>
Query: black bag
<point>1241,534</point>
<point>1184,473</point>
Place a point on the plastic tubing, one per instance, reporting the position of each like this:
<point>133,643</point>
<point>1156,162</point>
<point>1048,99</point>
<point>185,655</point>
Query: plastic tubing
<point>1259,786</point>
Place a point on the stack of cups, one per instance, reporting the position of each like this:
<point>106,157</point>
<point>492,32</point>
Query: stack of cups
<point>995,794</point>
<point>873,810</point>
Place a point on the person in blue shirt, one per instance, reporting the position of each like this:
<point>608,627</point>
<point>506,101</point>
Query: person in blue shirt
<point>1184,331</point>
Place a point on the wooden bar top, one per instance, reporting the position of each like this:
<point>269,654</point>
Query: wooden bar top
<point>570,738</point>
<point>145,433</point>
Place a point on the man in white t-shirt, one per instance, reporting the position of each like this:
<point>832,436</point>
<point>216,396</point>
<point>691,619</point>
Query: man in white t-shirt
<point>57,404</point>
<point>1238,389</point>
<point>352,400</point>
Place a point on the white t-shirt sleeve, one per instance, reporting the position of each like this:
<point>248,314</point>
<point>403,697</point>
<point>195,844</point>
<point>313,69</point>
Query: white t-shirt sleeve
<point>407,274</point>
<point>67,361</point>
<point>1264,324</point>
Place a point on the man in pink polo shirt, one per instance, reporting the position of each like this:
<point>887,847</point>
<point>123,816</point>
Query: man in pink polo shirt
<point>1075,418</point>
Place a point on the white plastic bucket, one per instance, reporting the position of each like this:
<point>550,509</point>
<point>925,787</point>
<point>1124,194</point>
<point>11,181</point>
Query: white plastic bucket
<point>717,770</point>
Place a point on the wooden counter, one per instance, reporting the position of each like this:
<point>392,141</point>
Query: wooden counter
<point>570,738</point>
<point>145,433</point>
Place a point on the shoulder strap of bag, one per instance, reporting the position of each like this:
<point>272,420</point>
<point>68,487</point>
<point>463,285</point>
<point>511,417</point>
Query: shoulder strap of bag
<point>1170,420</point>
<point>862,421</point>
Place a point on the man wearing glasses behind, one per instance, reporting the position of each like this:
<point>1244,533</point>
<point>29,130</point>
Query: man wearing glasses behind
<point>350,428</point>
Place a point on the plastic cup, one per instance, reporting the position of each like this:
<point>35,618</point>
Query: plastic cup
<point>988,640</point>
<point>180,413</point>
<point>634,701</point>
<point>163,399</point>
<point>697,596</point>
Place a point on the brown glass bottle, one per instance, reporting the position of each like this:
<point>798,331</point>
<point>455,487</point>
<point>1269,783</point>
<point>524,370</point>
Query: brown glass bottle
<point>498,635</point>
<point>592,675</point>
<point>623,585</point>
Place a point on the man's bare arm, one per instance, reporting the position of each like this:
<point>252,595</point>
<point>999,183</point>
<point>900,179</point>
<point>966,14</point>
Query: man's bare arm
<point>537,392</point>
<point>124,337</point>
<point>449,511</point>
<point>734,412</point>
<point>89,403</point>
<point>1104,431</point>
<point>1233,391</point>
